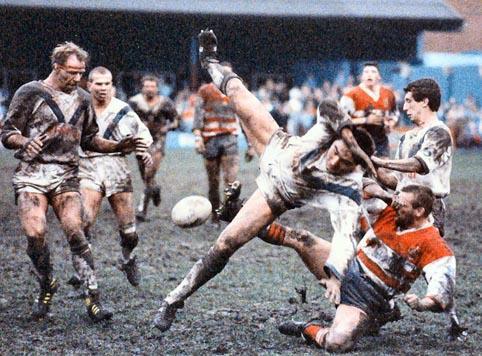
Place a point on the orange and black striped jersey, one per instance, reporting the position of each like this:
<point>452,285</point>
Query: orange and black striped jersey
<point>214,114</point>
<point>395,259</point>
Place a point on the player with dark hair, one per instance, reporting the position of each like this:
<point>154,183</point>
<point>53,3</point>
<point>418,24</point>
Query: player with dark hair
<point>322,169</point>
<point>46,123</point>
<point>372,106</point>
<point>159,114</point>
<point>424,154</point>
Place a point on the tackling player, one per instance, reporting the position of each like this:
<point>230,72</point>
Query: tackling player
<point>401,245</point>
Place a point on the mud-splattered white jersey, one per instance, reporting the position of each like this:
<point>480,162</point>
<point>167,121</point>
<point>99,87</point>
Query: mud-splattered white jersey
<point>118,121</point>
<point>432,146</point>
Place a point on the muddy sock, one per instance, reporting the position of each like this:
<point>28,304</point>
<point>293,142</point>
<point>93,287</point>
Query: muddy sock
<point>203,270</point>
<point>273,234</point>
<point>316,334</point>
<point>39,253</point>
<point>83,263</point>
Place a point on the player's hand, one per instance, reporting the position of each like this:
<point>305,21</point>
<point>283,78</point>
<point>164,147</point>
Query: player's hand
<point>130,144</point>
<point>374,119</point>
<point>35,145</point>
<point>332,286</point>
<point>378,162</point>
<point>249,155</point>
<point>199,145</point>
<point>412,301</point>
<point>145,157</point>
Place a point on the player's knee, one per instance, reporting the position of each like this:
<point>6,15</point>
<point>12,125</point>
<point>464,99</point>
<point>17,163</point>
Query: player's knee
<point>338,341</point>
<point>128,236</point>
<point>35,228</point>
<point>227,243</point>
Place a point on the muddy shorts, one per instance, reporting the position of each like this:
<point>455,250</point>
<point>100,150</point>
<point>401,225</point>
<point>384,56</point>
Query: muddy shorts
<point>106,174</point>
<point>222,145</point>
<point>359,291</point>
<point>49,179</point>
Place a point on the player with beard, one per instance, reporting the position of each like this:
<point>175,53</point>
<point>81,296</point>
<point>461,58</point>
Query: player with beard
<point>401,245</point>
<point>107,174</point>
<point>46,123</point>
<point>322,169</point>
<point>160,116</point>
<point>372,106</point>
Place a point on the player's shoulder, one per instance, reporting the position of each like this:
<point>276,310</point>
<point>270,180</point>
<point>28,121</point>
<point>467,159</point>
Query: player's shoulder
<point>30,88</point>
<point>84,94</point>
<point>353,92</point>
<point>387,91</point>
<point>136,99</point>
<point>118,104</point>
<point>438,130</point>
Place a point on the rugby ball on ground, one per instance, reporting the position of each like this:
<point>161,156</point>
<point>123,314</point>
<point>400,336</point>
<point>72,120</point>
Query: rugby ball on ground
<point>191,211</point>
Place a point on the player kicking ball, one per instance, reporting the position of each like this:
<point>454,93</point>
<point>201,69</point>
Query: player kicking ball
<point>322,168</point>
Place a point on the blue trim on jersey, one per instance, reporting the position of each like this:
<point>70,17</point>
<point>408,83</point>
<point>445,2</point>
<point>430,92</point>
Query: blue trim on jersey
<point>348,192</point>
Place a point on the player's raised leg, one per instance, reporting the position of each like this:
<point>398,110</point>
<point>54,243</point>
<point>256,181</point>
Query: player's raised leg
<point>258,124</point>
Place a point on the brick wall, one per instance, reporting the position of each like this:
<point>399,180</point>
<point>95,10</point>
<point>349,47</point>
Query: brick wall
<point>469,39</point>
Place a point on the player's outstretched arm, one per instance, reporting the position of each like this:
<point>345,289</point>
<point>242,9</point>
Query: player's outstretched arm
<point>408,165</point>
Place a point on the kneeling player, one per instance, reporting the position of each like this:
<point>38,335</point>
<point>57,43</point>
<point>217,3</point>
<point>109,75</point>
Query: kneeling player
<point>402,244</point>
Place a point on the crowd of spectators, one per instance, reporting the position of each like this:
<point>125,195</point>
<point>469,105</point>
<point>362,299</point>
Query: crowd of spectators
<point>294,107</point>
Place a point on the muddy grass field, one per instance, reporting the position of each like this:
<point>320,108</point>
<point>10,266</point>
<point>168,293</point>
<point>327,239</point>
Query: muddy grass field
<point>237,312</point>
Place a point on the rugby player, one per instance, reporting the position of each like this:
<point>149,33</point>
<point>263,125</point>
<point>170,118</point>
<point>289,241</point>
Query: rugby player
<point>159,115</point>
<point>46,123</point>
<point>401,245</point>
<point>372,106</point>
<point>107,174</point>
<point>319,168</point>
<point>216,129</point>
<point>424,156</point>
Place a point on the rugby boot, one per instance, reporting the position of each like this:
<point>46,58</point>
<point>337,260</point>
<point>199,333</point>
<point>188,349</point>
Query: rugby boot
<point>232,204</point>
<point>166,315</point>
<point>95,310</point>
<point>301,329</point>
<point>208,47</point>
<point>156,195</point>
<point>41,306</point>
<point>131,270</point>
<point>75,282</point>
<point>208,51</point>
